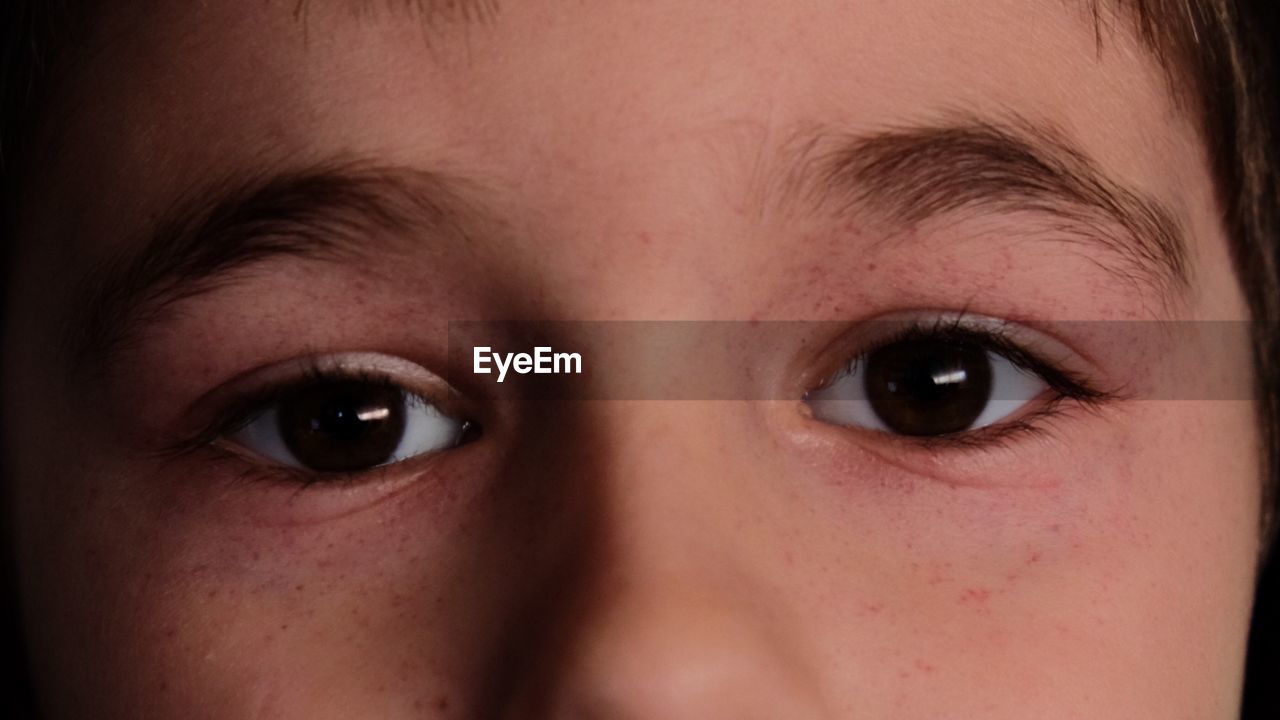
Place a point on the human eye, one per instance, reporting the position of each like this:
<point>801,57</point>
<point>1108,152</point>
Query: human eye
<point>950,379</point>
<point>340,418</point>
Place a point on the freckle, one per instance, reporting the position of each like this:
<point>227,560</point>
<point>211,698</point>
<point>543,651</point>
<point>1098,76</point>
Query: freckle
<point>645,239</point>
<point>923,666</point>
<point>284,626</point>
<point>871,267</point>
<point>1035,558</point>
<point>442,703</point>
<point>873,608</point>
<point>170,632</point>
<point>256,556</point>
<point>299,587</point>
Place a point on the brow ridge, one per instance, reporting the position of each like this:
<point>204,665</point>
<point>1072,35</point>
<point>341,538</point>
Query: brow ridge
<point>329,211</point>
<point>908,175</point>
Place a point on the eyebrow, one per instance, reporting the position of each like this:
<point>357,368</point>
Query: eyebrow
<point>341,210</point>
<point>332,211</point>
<point>434,16</point>
<point>909,175</point>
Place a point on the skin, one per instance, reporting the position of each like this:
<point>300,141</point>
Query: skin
<point>627,558</point>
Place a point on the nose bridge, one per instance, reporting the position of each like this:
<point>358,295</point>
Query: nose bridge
<point>670,619</point>
<point>675,488</point>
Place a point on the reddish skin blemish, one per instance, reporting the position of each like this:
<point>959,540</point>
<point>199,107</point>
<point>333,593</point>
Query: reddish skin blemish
<point>925,667</point>
<point>940,574</point>
<point>975,596</point>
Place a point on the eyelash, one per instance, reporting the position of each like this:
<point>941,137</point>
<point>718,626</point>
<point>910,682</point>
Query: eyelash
<point>1071,391</point>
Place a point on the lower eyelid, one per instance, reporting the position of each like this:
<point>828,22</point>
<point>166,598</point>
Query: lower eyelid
<point>989,458</point>
<point>243,491</point>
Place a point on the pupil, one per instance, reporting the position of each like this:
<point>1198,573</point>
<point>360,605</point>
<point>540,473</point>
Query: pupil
<point>928,386</point>
<point>343,426</point>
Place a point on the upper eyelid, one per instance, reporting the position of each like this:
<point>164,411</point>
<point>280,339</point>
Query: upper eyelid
<point>1009,338</point>
<point>236,399</point>
<point>218,411</point>
<point>253,406</point>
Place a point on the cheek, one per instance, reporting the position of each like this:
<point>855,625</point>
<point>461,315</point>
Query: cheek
<point>374,610</point>
<point>1088,584</point>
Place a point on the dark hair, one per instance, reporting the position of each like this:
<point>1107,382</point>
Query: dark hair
<point>1219,66</point>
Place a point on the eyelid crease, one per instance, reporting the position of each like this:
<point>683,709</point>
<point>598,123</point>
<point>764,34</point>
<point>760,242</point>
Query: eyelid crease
<point>234,404</point>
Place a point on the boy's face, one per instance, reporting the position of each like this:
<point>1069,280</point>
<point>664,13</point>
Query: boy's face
<point>635,556</point>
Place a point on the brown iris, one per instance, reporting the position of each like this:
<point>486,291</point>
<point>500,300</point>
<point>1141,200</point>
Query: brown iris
<point>342,426</point>
<point>928,386</point>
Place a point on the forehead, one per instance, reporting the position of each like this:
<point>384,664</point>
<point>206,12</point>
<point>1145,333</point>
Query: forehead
<point>704,93</point>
